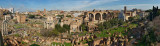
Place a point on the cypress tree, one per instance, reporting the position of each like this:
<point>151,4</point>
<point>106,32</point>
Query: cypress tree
<point>1,40</point>
<point>153,13</point>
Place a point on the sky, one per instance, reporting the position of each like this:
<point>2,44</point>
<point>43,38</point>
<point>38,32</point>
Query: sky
<point>68,5</point>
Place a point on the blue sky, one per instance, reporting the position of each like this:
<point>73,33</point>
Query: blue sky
<point>32,5</point>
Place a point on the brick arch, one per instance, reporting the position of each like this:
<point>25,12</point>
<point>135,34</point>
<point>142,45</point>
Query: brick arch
<point>104,16</point>
<point>97,16</point>
<point>91,16</point>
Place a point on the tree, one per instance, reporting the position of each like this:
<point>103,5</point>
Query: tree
<point>31,16</point>
<point>148,39</point>
<point>153,13</point>
<point>66,27</point>
<point>1,40</point>
<point>57,26</point>
<point>62,29</point>
<point>100,27</point>
<point>68,16</point>
<point>114,22</point>
<point>106,25</point>
<point>61,16</point>
<point>150,10</point>
<point>55,32</point>
<point>120,22</point>
<point>83,27</point>
<point>131,18</point>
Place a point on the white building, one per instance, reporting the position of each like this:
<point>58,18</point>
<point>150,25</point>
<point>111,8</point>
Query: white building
<point>11,10</point>
<point>51,22</point>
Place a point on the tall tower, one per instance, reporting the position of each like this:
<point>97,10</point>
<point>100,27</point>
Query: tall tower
<point>125,9</point>
<point>44,11</point>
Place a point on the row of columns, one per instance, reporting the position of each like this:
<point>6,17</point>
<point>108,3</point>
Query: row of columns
<point>4,28</point>
<point>49,25</point>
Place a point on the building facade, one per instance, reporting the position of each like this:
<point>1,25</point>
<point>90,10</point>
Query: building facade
<point>21,18</point>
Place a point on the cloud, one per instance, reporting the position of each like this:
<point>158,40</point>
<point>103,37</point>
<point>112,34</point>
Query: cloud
<point>87,3</point>
<point>140,6</point>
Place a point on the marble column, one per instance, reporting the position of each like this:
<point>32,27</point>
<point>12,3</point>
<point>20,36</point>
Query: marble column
<point>101,16</point>
<point>2,29</point>
<point>94,14</point>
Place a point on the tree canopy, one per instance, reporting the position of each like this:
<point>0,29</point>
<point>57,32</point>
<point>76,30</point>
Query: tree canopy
<point>58,29</point>
<point>31,16</point>
<point>153,13</point>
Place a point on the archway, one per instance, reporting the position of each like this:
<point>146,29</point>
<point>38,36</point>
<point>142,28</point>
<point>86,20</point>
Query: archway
<point>91,16</point>
<point>97,16</point>
<point>104,16</point>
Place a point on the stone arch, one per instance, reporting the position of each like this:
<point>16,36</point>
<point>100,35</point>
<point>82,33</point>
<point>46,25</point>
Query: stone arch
<point>104,15</point>
<point>98,16</point>
<point>91,17</point>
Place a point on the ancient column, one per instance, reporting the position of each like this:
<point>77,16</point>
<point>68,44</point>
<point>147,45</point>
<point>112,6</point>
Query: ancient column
<point>87,15</point>
<point>2,29</point>
<point>94,14</point>
<point>101,17</point>
<point>6,31</point>
<point>44,24</point>
<point>47,25</point>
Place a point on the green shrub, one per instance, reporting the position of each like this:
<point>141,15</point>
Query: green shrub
<point>66,44</point>
<point>31,16</point>
<point>68,16</point>
<point>17,35</point>
<point>34,45</point>
<point>23,42</point>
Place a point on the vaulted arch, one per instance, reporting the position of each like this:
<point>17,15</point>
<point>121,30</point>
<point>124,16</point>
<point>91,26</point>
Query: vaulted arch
<point>104,15</point>
<point>98,16</point>
<point>91,17</point>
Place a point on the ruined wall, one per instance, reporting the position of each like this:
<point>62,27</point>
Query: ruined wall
<point>21,18</point>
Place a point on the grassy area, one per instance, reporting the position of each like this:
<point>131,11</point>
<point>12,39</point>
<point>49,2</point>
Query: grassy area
<point>132,25</point>
<point>125,24</point>
<point>38,23</point>
<point>38,34</point>
<point>112,31</point>
<point>120,30</point>
<point>17,35</point>
<point>102,34</point>
<point>34,45</point>
<point>84,41</point>
<point>83,33</point>
<point>23,42</point>
<point>56,43</point>
<point>19,26</point>
<point>67,44</point>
